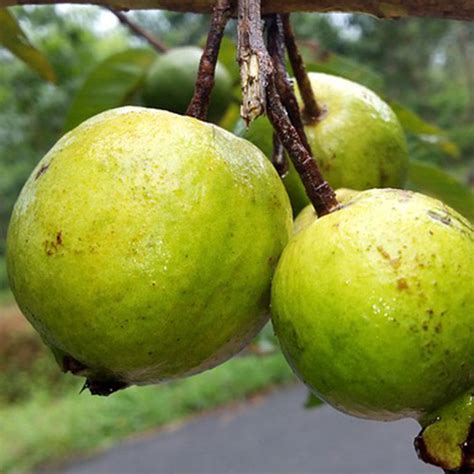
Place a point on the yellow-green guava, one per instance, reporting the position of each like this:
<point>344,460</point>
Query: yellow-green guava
<point>358,141</point>
<point>373,305</point>
<point>170,83</point>
<point>142,246</point>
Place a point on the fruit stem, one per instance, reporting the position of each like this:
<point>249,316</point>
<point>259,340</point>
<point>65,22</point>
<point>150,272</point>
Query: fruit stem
<point>278,157</point>
<point>283,112</point>
<point>254,61</point>
<point>138,30</point>
<point>260,75</point>
<point>276,47</point>
<point>318,190</point>
<point>205,80</point>
<point>447,436</point>
<point>311,110</point>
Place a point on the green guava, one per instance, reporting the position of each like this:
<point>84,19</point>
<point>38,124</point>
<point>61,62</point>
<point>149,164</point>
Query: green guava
<point>170,83</point>
<point>142,246</point>
<point>373,305</point>
<point>358,141</point>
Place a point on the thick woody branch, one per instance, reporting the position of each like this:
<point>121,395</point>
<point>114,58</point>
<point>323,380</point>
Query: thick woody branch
<point>451,9</point>
<point>255,64</point>
<point>207,67</point>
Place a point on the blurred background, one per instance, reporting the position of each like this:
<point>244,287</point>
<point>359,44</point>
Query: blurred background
<point>83,60</point>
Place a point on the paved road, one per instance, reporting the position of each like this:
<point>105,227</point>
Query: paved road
<point>271,435</point>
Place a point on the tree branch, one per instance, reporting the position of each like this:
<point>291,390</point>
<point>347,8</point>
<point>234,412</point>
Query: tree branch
<point>138,30</point>
<point>207,66</point>
<point>451,9</point>
<point>284,114</point>
<point>255,64</point>
<point>311,109</point>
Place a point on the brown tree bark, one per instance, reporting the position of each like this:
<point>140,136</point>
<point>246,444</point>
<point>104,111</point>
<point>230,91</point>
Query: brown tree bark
<point>452,9</point>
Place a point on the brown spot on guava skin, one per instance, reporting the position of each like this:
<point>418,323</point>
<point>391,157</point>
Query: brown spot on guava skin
<point>41,171</point>
<point>383,252</point>
<point>52,246</point>
<point>402,284</point>
<point>442,217</point>
<point>395,262</point>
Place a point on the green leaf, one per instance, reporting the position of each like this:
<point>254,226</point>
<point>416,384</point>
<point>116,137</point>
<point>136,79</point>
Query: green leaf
<point>424,131</point>
<point>312,401</point>
<point>338,65</point>
<point>431,180</point>
<point>110,84</point>
<point>14,39</point>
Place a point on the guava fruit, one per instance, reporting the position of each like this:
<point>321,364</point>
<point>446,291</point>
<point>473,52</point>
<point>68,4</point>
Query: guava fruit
<point>170,83</point>
<point>358,141</point>
<point>142,246</point>
<point>373,305</point>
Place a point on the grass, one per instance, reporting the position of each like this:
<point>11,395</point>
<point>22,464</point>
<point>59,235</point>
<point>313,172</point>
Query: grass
<point>42,429</point>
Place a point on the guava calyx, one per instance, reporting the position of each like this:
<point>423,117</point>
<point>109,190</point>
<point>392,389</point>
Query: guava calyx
<point>103,388</point>
<point>447,437</point>
<point>97,385</point>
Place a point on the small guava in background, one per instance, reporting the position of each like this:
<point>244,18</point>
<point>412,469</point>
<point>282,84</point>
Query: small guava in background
<point>171,79</point>
<point>373,305</point>
<point>358,141</point>
<point>143,245</point>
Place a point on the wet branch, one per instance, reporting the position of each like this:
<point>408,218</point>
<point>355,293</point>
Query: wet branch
<point>311,110</point>
<point>138,30</point>
<point>205,80</point>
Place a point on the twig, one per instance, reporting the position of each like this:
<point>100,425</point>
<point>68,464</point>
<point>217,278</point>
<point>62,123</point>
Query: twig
<point>138,30</point>
<point>284,105</point>
<point>279,160</point>
<point>255,64</point>
<point>283,84</point>
<point>205,80</point>
<point>318,190</point>
<point>311,110</point>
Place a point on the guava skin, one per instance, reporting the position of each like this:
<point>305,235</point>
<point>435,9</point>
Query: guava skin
<point>373,305</point>
<point>170,83</point>
<point>358,141</point>
<point>143,245</point>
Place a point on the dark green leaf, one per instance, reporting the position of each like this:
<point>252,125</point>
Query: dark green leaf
<point>431,180</point>
<point>312,401</point>
<point>14,39</point>
<point>426,132</point>
<point>110,84</point>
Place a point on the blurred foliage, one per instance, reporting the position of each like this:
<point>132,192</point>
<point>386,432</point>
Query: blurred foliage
<point>425,68</point>
<point>14,39</point>
<point>111,84</point>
